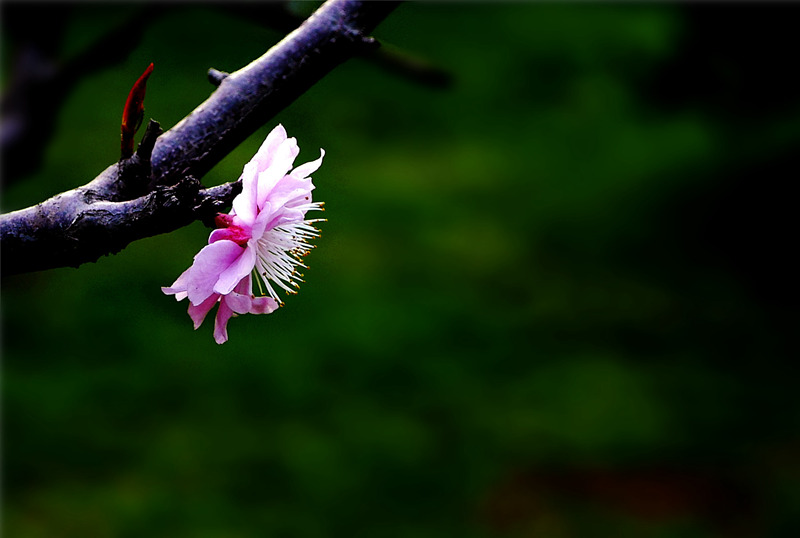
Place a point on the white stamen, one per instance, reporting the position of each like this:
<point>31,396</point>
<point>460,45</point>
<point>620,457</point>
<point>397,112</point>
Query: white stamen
<point>280,252</point>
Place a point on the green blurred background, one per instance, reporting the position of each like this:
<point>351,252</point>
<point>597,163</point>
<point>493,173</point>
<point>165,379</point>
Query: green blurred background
<point>552,300</point>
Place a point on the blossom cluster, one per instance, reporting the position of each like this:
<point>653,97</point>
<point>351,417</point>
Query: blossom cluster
<point>262,240</point>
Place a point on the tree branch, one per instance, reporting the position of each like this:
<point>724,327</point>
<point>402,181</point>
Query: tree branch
<point>141,197</point>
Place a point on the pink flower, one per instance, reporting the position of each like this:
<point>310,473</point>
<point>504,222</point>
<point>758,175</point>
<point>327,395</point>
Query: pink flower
<point>264,238</point>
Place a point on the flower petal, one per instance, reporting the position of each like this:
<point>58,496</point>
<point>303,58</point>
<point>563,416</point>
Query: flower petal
<point>264,155</point>
<point>238,303</point>
<point>240,298</point>
<point>263,305</point>
<point>260,225</point>
<point>236,271</point>
<point>244,204</point>
<point>290,187</point>
<point>305,170</point>
<point>281,163</point>
<point>208,266</point>
<point>178,288</point>
<point>245,286</point>
<point>198,313</point>
<point>242,301</point>
<point>224,313</point>
<point>294,198</point>
<point>218,235</point>
<point>283,203</point>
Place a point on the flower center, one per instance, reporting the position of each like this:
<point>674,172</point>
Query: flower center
<point>232,232</point>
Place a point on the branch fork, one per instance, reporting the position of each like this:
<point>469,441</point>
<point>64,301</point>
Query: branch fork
<point>121,205</point>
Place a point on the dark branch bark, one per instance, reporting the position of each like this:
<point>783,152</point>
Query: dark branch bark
<point>141,197</point>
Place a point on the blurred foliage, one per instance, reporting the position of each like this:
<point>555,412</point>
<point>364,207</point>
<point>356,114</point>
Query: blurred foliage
<point>551,300</point>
